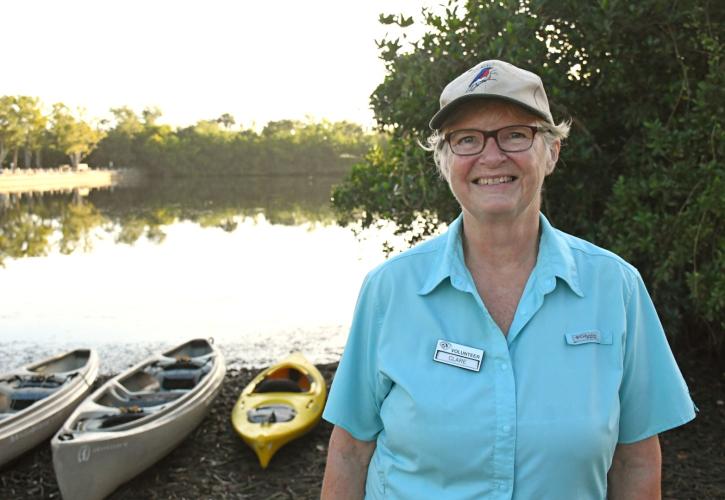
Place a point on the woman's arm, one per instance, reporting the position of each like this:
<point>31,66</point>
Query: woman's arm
<point>636,471</point>
<point>347,466</point>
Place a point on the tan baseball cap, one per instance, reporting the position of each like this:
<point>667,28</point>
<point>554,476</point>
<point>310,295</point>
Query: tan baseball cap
<point>494,80</point>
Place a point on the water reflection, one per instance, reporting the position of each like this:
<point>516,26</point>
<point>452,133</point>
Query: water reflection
<point>29,221</point>
<point>257,264</point>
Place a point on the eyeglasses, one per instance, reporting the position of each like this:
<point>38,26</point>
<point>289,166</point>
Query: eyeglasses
<point>511,139</point>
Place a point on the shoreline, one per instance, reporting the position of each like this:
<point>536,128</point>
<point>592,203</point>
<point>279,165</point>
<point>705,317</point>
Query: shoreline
<point>32,180</point>
<point>213,462</point>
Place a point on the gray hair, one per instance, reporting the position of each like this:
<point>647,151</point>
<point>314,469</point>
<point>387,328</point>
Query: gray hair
<point>436,143</point>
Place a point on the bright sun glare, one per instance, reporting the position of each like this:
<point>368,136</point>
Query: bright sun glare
<point>194,59</point>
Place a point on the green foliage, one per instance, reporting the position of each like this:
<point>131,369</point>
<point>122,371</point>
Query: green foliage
<point>74,136</point>
<point>31,128</point>
<point>642,172</point>
<point>391,185</point>
<point>666,219</point>
<point>10,130</point>
<point>211,147</point>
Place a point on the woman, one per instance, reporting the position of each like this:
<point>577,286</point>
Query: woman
<point>504,358</point>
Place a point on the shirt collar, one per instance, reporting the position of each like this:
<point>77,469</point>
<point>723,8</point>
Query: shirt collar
<point>449,262</point>
<point>555,259</point>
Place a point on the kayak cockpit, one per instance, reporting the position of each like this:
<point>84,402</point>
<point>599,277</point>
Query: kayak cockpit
<point>271,414</point>
<point>285,379</point>
<point>145,392</point>
<point>22,390</point>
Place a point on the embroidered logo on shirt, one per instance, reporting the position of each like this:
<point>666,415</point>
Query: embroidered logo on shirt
<point>584,338</point>
<point>458,355</point>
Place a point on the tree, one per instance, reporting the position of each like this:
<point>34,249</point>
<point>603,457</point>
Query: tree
<point>32,128</point>
<point>643,85</point>
<point>73,136</point>
<point>151,115</point>
<point>127,122</point>
<point>119,146</point>
<point>226,120</point>
<point>10,129</point>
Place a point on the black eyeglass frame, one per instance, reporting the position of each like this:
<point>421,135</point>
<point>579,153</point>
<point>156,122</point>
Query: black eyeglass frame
<point>494,134</point>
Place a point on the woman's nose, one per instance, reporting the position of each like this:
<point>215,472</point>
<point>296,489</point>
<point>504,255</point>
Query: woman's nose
<point>490,150</point>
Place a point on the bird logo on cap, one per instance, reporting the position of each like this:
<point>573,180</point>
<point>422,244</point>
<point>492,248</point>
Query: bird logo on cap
<point>485,74</point>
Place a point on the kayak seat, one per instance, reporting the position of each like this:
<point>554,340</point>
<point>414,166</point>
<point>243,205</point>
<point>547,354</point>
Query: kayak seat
<point>271,414</point>
<point>41,381</point>
<point>22,398</point>
<point>108,421</point>
<point>154,399</point>
<point>180,378</point>
<point>277,385</point>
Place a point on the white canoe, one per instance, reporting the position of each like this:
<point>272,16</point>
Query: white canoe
<point>36,399</point>
<point>135,419</point>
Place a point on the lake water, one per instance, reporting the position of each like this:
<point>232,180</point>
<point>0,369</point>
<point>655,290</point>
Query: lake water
<point>256,263</point>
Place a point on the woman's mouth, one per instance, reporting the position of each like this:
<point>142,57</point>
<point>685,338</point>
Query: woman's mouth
<point>492,181</point>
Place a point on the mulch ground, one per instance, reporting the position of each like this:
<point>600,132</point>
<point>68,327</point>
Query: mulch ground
<point>214,463</point>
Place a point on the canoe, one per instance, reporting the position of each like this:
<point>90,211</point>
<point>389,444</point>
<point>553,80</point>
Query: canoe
<point>280,404</point>
<point>135,419</point>
<point>36,399</point>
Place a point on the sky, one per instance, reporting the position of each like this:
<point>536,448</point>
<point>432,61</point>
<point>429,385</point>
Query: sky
<point>197,59</point>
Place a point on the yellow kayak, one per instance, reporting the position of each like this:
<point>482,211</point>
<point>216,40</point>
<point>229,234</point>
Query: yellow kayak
<point>281,404</point>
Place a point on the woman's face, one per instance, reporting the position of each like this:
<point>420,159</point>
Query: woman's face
<point>494,185</point>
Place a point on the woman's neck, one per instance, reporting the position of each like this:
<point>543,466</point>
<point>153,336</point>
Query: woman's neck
<point>501,245</point>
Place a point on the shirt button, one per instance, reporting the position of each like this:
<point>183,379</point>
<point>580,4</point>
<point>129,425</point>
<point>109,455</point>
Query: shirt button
<point>506,428</point>
<point>504,366</point>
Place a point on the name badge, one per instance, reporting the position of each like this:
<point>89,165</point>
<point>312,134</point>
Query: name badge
<point>588,337</point>
<point>462,356</point>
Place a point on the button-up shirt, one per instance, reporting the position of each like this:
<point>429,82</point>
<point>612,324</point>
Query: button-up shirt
<point>535,414</point>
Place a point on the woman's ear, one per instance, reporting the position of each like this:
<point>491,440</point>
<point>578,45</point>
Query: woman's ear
<point>553,156</point>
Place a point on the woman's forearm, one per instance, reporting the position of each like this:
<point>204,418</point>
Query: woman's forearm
<point>636,471</point>
<point>347,466</point>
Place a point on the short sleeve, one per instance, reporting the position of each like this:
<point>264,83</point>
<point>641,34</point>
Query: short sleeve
<point>355,396</point>
<point>653,395</point>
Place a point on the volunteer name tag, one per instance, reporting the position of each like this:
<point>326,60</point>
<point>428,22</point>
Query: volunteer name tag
<point>584,338</point>
<point>458,355</point>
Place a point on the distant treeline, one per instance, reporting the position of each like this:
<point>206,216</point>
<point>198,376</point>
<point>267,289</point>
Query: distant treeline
<point>30,138</point>
<point>213,147</point>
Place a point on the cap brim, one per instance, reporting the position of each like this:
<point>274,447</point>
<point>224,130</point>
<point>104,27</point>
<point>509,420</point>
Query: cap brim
<point>446,111</point>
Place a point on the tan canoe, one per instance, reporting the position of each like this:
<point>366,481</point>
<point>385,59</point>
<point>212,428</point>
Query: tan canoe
<point>36,399</point>
<point>136,418</point>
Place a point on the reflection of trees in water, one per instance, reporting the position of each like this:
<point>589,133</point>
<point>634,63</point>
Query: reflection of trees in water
<point>31,224</point>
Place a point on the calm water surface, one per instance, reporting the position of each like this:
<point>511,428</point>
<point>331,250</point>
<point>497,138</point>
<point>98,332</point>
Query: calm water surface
<point>256,263</point>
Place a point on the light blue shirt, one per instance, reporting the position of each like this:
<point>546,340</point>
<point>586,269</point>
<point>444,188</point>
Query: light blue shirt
<point>585,366</point>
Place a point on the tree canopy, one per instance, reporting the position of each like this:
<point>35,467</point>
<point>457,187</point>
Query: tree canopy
<point>73,135</point>
<point>642,172</point>
<point>208,148</point>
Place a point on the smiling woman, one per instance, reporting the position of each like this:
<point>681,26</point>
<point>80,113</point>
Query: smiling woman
<point>563,403</point>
